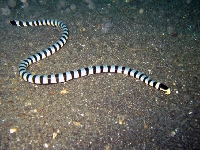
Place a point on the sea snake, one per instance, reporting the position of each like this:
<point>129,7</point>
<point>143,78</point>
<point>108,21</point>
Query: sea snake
<point>66,76</point>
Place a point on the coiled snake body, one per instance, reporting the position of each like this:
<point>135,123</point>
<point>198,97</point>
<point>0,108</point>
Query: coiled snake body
<point>66,76</point>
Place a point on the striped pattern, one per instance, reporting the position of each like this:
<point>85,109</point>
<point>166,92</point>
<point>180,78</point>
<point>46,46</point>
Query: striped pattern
<point>66,76</point>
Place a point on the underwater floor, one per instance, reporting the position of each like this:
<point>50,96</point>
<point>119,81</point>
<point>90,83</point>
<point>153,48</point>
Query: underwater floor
<point>102,111</point>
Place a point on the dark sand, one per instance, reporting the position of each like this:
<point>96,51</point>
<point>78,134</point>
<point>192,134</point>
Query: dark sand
<point>103,111</point>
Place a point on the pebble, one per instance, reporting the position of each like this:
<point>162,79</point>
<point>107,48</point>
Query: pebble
<point>5,11</point>
<point>42,2</point>
<point>23,1</point>
<point>73,7</point>
<point>11,3</point>
<point>13,130</point>
<point>141,10</point>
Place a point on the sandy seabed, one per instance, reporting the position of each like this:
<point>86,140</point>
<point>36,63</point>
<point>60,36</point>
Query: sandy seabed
<point>103,111</point>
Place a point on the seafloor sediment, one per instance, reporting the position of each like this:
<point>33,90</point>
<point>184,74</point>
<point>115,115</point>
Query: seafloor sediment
<point>102,111</point>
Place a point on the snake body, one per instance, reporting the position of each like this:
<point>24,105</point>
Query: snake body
<point>66,76</point>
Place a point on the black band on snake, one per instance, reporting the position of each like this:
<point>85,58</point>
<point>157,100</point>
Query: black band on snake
<point>66,76</point>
